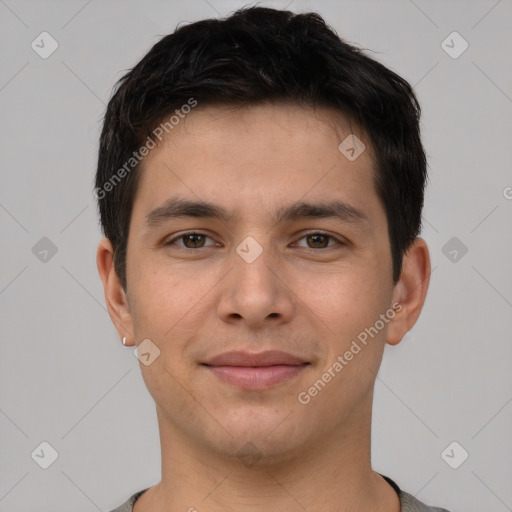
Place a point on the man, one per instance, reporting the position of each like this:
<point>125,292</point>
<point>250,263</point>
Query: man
<point>260,185</point>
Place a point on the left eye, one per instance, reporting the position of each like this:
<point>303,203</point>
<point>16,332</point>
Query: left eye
<point>319,240</point>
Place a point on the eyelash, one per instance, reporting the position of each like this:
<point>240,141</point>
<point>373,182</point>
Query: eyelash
<point>322,233</point>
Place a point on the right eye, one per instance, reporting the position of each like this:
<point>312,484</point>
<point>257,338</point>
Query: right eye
<point>190,240</point>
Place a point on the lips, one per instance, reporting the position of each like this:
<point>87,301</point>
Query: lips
<point>269,358</point>
<point>255,371</point>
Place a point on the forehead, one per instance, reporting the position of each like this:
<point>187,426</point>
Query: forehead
<point>272,128</point>
<point>258,155</point>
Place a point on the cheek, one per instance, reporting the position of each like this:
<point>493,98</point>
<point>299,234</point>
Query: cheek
<point>349,307</point>
<point>347,313</point>
<point>170,300</point>
<point>344,302</point>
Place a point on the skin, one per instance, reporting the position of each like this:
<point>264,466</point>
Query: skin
<point>297,296</point>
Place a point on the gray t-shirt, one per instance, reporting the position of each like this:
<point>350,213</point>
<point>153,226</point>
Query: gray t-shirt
<point>408,503</point>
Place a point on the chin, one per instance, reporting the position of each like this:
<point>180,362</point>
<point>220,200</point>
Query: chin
<point>274,434</point>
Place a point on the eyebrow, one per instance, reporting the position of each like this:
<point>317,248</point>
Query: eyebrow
<point>176,207</point>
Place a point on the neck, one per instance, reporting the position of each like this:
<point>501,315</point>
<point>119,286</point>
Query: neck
<point>333,473</point>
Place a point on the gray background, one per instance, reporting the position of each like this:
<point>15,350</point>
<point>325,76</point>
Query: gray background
<point>66,378</point>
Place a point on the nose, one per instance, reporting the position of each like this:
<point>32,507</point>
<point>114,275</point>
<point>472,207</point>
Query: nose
<point>255,293</point>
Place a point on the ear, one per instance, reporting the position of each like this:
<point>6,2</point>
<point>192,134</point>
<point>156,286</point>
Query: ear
<point>410,291</point>
<point>115,296</point>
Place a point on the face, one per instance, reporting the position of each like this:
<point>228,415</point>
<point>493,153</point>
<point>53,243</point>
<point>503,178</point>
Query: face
<point>289,277</point>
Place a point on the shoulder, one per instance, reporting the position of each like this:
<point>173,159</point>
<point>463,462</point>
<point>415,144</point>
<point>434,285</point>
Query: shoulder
<point>411,504</point>
<point>127,506</point>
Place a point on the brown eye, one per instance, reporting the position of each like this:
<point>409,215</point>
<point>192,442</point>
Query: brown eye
<point>318,240</point>
<point>190,240</point>
<point>193,240</point>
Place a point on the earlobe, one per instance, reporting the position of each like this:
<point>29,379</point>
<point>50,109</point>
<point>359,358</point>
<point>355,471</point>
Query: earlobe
<point>410,291</point>
<point>115,296</point>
